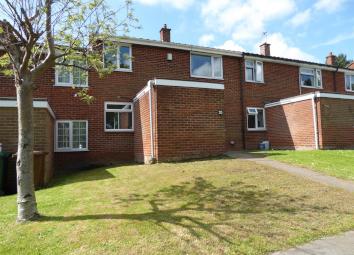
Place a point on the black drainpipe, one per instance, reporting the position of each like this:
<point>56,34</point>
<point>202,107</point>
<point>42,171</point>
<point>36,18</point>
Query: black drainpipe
<point>242,104</point>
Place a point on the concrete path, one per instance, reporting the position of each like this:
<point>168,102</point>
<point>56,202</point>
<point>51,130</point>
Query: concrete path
<point>303,172</point>
<point>337,245</point>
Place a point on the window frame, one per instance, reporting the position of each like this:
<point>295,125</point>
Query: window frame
<point>315,77</point>
<point>212,56</point>
<point>69,149</point>
<point>256,118</point>
<point>117,110</point>
<point>351,82</point>
<point>71,78</point>
<point>255,63</point>
<point>119,69</point>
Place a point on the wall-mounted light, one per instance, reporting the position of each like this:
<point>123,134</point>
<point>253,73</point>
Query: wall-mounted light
<point>220,112</point>
<point>169,56</point>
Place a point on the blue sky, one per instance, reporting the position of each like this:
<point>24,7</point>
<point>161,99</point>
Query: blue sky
<point>299,29</point>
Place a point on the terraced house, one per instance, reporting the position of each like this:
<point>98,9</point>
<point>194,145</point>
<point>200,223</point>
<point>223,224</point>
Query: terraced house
<point>170,101</point>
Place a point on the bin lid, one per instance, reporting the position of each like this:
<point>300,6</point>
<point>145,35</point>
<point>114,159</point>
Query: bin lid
<point>4,154</point>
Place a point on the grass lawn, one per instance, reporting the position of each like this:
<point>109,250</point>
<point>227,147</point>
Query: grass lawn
<point>218,206</point>
<point>338,163</point>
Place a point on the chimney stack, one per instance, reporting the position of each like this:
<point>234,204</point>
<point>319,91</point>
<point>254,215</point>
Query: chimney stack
<point>331,59</point>
<point>165,34</point>
<point>265,49</point>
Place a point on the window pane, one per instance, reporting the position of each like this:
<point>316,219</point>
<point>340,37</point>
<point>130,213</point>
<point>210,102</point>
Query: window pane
<point>251,121</point>
<point>249,74</point>
<point>125,120</point>
<point>217,67</point>
<point>201,65</point>
<point>79,75</point>
<point>347,82</point>
<point>63,74</point>
<point>259,71</point>
<point>352,82</point>
<point>79,135</point>
<point>110,57</point>
<point>260,119</point>
<point>318,78</point>
<point>112,120</point>
<point>307,71</point>
<point>124,57</point>
<point>249,63</point>
<point>307,80</point>
<point>63,138</point>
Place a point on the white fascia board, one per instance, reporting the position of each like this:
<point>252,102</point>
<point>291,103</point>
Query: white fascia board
<point>335,96</point>
<point>188,84</point>
<point>308,97</point>
<point>8,103</point>
<point>141,93</point>
<point>178,46</point>
<point>291,63</point>
<point>291,100</point>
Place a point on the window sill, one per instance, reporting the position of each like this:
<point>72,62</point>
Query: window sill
<point>71,150</point>
<point>119,131</point>
<point>349,91</point>
<point>257,130</point>
<point>205,77</point>
<point>123,70</point>
<point>310,87</point>
<point>70,86</point>
<point>257,82</point>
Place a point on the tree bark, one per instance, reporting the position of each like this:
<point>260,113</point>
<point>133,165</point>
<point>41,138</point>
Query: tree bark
<point>26,200</point>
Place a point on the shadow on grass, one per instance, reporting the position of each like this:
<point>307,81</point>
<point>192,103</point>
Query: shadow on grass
<point>201,206</point>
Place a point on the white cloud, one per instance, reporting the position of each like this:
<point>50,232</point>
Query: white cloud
<point>245,19</point>
<point>301,18</point>
<point>329,6</point>
<point>280,47</point>
<point>337,39</point>
<point>178,4</point>
<point>231,45</point>
<point>206,39</point>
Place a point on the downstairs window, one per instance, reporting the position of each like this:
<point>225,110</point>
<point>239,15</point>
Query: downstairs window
<point>255,119</point>
<point>71,135</point>
<point>118,117</point>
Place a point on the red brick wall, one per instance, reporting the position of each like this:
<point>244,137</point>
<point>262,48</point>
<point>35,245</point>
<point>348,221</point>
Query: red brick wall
<point>189,125</point>
<point>291,126</point>
<point>337,123</point>
<point>142,142</point>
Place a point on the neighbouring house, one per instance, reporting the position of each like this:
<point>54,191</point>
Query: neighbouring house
<point>170,101</point>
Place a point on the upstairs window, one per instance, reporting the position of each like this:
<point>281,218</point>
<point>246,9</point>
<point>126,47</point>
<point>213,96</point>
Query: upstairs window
<point>255,119</point>
<point>118,117</point>
<point>349,82</point>
<point>71,75</point>
<point>118,58</point>
<point>205,66</point>
<point>310,77</point>
<point>254,71</point>
<point>71,135</point>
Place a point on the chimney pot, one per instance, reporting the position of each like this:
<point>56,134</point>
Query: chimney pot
<point>165,34</point>
<point>265,49</point>
<point>331,59</point>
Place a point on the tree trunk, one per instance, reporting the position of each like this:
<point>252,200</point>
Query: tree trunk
<point>26,200</point>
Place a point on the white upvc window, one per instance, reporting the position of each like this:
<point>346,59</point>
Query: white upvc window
<point>310,77</point>
<point>206,66</point>
<point>118,117</point>
<point>349,82</point>
<point>71,135</point>
<point>255,119</point>
<point>71,76</point>
<point>119,57</point>
<point>254,71</point>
